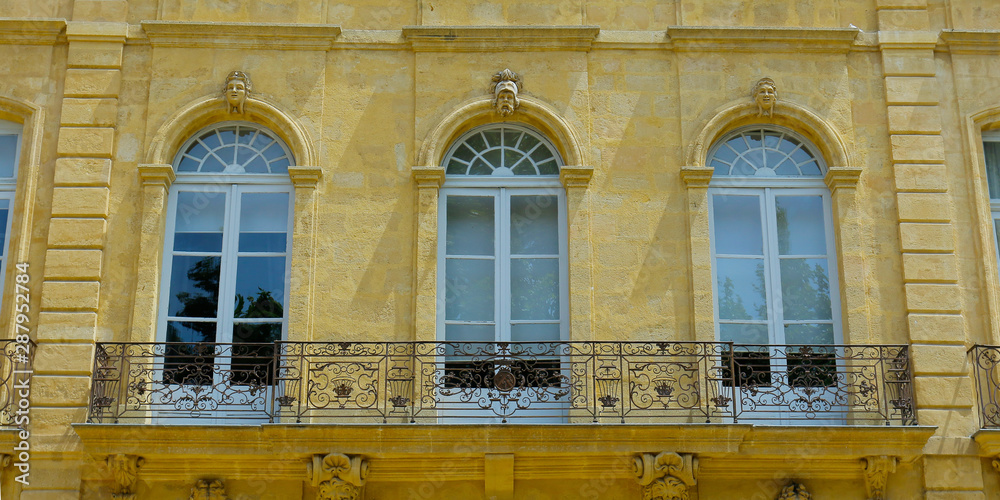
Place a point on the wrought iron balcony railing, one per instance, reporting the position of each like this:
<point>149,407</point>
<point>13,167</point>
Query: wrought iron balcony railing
<point>15,367</point>
<point>544,382</point>
<point>986,364</point>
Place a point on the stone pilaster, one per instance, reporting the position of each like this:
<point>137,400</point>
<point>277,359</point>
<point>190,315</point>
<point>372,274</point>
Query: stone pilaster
<point>71,281</point>
<point>925,206</point>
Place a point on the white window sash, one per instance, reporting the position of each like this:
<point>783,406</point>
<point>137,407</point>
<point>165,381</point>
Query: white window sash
<point>772,260</point>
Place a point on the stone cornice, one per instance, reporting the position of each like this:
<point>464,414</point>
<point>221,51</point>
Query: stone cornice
<point>988,441</point>
<point>740,39</point>
<point>697,176</point>
<point>403,452</point>
<point>305,177</point>
<point>576,176</point>
<point>499,38</point>
<point>241,35</point>
<point>154,174</point>
<point>907,39</point>
<point>31,31</point>
<point>972,42</point>
<point>80,31</point>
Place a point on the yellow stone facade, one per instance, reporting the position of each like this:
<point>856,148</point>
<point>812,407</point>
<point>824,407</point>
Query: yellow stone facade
<point>370,94</point>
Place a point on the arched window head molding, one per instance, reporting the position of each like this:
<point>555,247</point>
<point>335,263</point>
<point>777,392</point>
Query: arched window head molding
<point>975,124</point>
<point>842,171</point>
<point>31,118</point>
<point>531,111</point>
<point>201,113</point>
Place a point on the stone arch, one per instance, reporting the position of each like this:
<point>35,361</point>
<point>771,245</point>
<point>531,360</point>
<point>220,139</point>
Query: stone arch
<point>787,114</point>
<point>203,112</point>
<point>480,111</point>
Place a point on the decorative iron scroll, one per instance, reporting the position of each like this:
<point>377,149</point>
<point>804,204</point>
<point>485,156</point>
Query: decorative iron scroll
<point>15,365</point>
<point>986,361</point>
<point>403,382</point>
<point>842,384</point>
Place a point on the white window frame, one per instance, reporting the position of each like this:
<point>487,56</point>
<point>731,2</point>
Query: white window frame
<point>8,188</point>
<point>501,251</point>
<point>992,136</point>
<point>233,187</point>
<point>766,192</point>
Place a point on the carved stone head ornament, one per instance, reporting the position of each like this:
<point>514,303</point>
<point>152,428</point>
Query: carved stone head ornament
<point>506,85</point>
<point>794,491</point>
<point>765,94</point>
<point>236,91</point>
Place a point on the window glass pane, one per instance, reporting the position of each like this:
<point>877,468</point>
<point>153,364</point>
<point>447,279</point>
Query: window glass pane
<point>246,135</point>
<point>212,164</point>
<point>8,155</point>
<point>492,137</point>
<point>469,289</point>
<point>805,289</point>
<point>492,157</point>
<point>534,225</point>
<point>199,221</point>
<point>188,164</point>
<point>534,332</point>
<point>741,288</point>
<point>4,213</point>
<point>470,227</point>
<point>255,333</point>
<point>228,156</point>
<point>801,225</point>
<point>821,333</point>
<point>470,333</point>
<point>260,287</point>
<point>996,227</point>
<point>194,286</point>
<point>228,135</point>
<point>264,222</point>
<point>737,225</point>
<point>534,289</point>
<point>191,331</point>
<point>743,333</point>
<point>992,150</point>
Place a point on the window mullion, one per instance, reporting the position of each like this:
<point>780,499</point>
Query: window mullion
<point>503,264</point>
<point>227,268</point>
<point>772,266</point>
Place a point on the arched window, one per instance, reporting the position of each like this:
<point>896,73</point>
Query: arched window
<point>502,258</point>
<point>227,248</point>
<point>991,152</point>
<point>773,256</point>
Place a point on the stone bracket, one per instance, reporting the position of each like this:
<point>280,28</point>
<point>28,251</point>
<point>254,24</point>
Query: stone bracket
<point>338,476</point>
<point>125,472</point>
<point>877,470</point>
<point>666,475</point>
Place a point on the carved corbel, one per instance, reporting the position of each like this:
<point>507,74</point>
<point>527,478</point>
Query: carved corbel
<point>125,471</point>
<point>209,489</point>
<point>794,491</point>
<point>877,470</point>
<point>665,476</point>
<point>338,476</point>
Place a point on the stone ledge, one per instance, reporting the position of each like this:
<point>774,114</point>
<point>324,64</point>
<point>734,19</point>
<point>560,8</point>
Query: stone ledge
<point>31,31</point>
<point>972,41</point>
<point>240,35</point>
<point>499,38</point>
<point>744,39</point>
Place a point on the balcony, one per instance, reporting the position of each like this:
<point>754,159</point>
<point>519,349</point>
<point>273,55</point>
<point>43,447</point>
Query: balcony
<point>538,383</point>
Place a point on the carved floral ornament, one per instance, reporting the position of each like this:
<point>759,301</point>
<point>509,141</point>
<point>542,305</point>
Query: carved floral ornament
<point>877,470</point>
<point>666,475</point>
<point>236,91</point>
<point>209,489</point>
<point>505,89</point>
<point>338,476</point>
<point>765,94</point>
<point>125,472</point>
<point>794,491</point>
